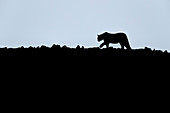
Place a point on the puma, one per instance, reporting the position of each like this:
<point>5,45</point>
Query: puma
<point>108,38</point>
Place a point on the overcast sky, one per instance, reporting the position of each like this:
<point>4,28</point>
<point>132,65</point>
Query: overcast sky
<point>77,22</point>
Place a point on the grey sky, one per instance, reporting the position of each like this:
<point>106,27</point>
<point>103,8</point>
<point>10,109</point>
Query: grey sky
<point>73,22</point>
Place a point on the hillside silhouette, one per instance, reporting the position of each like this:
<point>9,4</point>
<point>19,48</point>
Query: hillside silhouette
<point>60,51</point>
<point>73,72</point>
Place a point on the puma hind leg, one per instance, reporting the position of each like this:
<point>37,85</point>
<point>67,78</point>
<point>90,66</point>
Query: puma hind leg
<point>122,45</point>
<point>125,44</point>
<point>128,46</point>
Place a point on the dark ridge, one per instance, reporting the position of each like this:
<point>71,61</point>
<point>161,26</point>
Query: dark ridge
<point>57,50</point>
<point>89,68</point>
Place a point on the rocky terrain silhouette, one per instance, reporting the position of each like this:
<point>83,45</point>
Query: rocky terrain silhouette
<point>81,70</point>
<point>60,51</point>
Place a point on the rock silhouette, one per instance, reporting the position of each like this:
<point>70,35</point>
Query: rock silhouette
<point>59,51</point>
<point>108,38</point>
